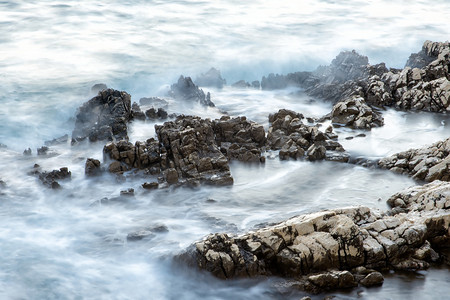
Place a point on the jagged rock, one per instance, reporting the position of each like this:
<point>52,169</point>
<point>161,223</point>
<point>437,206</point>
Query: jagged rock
<point>49,179</point>
<point>241,84</point>
<point>104,117</point>
<point>239,138</point>
<point>185,146</point>
<point>155,102</point>
<point>355,113</point>
<point>43,150</point>
<point>150,185</point>
<point>428,164</point>
<point>98,87</point>
<point>211,78</point>
<point>57,141</point>
<point>186,90</point>
<point>154,114</point>
<point>295,139</point>
<point>354,239</point>
<point>27,152</point>
<point>274,82</point>
<point>92,167</point>
<point>137,112</point>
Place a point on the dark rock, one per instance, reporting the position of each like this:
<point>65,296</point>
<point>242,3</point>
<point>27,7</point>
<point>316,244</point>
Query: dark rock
<point>92,167</point>
<point>171,176</point>
<point>128,192</point>
<point>137,112</point>
<point>49,179</point>
<point>186,90</point>
<point>212,78</point>
<point>27,152</point>
<point>355,113</point>
<point>154,114</point>
<point>372,279</point>
<point>155,102</point>
<point>43,150</point>
<point>104,117</point>
<point>150,185</point>
<point>57,141</point>
<point>98,87</point>
<point>242,84</point>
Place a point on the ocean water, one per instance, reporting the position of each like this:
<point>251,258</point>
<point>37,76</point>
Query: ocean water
<point>68,244</point>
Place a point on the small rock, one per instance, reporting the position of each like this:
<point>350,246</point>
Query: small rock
<point>372,279</point>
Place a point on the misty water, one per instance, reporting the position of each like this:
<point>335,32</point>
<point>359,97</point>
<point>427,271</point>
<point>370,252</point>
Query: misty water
<point>71,244</point>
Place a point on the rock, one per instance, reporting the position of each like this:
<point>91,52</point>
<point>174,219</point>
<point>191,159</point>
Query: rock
<point>150,185</point>
<point>256,84</point>
<point>239,138</point>
<point>155,102</point>
<point>355,113</point>
<point>212,78</point>
<point>43,150</point>
<point>171,176</point>
<point>295,139</point>
<point>137,112</point>
<point>186,90</point>
<point>428,163</point>
<point>274,82</point>
<point>139,235</point>
<point>104,117</point>
<point>27,152</point>
<point>92,167</point>
<point>49,179</point>
<point>353,239</point>
<point>159,114</point>
<point>242,84</point>
<point>98,87</point>
<point>57,141</point>
<point>129,192</point>
<point>372,279</point>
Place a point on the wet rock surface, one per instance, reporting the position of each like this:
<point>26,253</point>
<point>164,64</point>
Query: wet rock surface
<point>355,113</point>
<point>92,167</point>
<point>51,178</point>
<point>104,117</point>
<point>186,90</point>
<point>212,78</point>
<point>428,163</point>
<point>239,138</point>
<point>297,140</point>
<point>337,248</point>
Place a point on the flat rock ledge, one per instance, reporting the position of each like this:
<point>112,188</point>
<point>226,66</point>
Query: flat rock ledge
<point>428,163</point>
<point>338,248</point>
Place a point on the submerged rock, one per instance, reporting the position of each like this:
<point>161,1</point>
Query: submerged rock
<point>50,179</point>
<point>57,141</point>
<point>428,163</point>
<point>212,78</point>
<point>351,239</point>
<point>186,90</point>
<point>104,117</point>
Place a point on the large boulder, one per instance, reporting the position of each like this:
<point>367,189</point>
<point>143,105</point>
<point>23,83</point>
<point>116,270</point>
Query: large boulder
<point>428,163</point>
<point>356,239</point>
<point>104,117</point>
<point>186,90</point>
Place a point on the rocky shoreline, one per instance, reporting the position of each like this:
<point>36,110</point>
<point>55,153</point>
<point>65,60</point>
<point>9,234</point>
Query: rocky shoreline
<point>322,251</point>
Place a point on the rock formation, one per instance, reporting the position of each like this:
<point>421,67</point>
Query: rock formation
<point>355,113</point>
<point>50,179</point>
<point>332,242</point>
<point>297,140</point>
<point>212,78</point>
<point>428,164</point>
<point>186,90</point>
<point>104,117</point>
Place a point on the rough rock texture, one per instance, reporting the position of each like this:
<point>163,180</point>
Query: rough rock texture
<point>49,179</point>
<point>341,239</point>
<point>137,112</point>
<point>185,152</point>
<point>239,138</point>
<point>355,113</point>
<point>295,139</point>
<point>212,78</point>
<point>154,114</point>
<point>186,90</point>
<point>429,163</point>
<point>92,167</point>
<point>104,117</point>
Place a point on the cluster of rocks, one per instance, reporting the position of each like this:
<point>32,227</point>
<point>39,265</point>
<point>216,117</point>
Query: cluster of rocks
<point>297,140</point>
<point>186,90</point>
<point>153,113</point>
<point>239,138</point>
<point>277,81</point>
<point>186,152</point>
<point>355,113</point>
<point>50,179</point>
<point>212,78</point>
<point>104,117</point>
<point>428,164</point>
<point>338,248</point>
<point>242,84</point>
